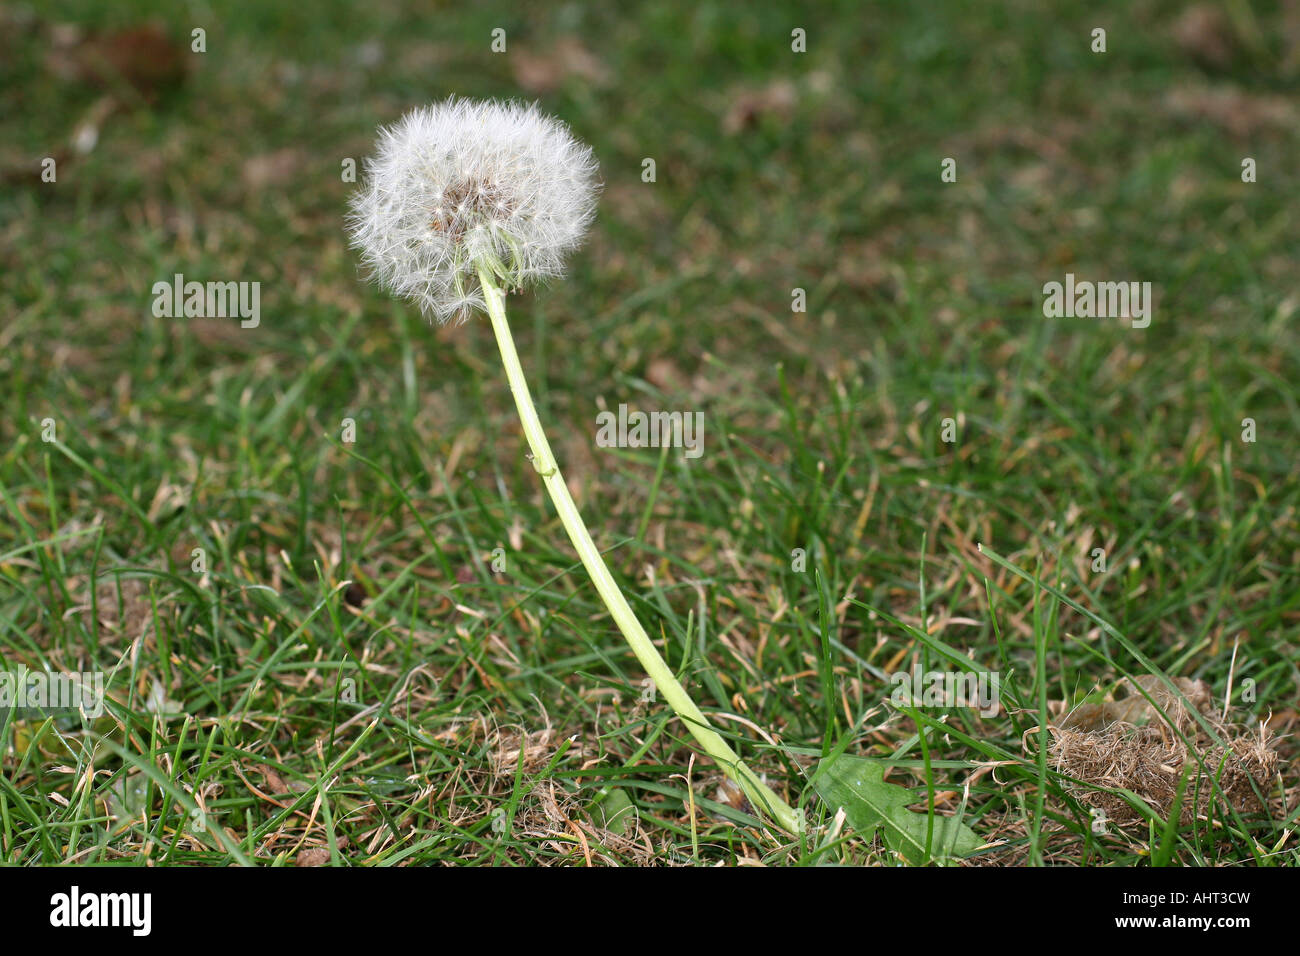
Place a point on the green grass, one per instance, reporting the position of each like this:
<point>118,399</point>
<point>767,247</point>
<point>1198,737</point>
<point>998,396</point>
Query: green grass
<point>439,711</point>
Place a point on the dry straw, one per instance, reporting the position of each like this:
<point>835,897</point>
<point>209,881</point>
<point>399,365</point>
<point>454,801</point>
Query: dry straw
<point>1127,744</point>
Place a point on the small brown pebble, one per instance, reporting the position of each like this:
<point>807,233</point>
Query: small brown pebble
<point>354,595</point>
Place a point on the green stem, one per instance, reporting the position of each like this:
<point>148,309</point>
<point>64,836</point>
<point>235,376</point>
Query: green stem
<point>760,795</point>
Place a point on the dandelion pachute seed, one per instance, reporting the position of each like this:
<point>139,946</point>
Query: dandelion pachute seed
<point>462,182</point>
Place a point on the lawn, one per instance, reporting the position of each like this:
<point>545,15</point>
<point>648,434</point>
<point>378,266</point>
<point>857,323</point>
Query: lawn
<point>338,618</point>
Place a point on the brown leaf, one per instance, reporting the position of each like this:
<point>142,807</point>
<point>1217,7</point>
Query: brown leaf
<point>546,72</point>
<point>144,57</point>
<point>273,169</point>
<point>273,781</point>
<point>1205,34</point>
<point>1239,113</point>
<point>748,106</point>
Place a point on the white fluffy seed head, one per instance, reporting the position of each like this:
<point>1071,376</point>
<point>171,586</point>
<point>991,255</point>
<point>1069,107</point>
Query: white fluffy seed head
<point>465,182</point>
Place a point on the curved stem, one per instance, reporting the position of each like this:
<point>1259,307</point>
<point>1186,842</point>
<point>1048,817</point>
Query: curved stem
<point>760,795</point>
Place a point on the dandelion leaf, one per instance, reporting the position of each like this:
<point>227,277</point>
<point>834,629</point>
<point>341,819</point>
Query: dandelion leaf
<point>857,785</point>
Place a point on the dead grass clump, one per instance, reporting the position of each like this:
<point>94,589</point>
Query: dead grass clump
<point>1127,744</point>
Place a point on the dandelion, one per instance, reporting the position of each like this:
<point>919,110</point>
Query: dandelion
<point>462,184</point>
<point>462,199</point>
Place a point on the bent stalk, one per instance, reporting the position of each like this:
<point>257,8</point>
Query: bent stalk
<point>760,795</point>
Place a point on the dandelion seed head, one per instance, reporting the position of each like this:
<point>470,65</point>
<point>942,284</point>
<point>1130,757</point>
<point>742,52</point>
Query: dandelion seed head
<point>462,182</point>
